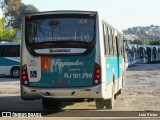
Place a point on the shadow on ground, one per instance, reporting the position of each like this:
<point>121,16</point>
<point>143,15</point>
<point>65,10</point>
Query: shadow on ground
<point>145,67</point>
<point>8,78</point>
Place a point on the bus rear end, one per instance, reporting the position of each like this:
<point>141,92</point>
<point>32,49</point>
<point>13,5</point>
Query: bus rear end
<point>60,57</point>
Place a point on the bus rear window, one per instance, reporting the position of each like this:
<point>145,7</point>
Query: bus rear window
<point>59,28</point>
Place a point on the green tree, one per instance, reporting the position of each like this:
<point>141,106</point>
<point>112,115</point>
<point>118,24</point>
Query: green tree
<point>14,10</point>
<point>146,42</point>
<point>155,42</point>
<point>2,5</point>
<point>6,33</point>
<point>2,28</point>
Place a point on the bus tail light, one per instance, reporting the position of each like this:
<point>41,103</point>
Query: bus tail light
<point>97,74</point>
<point>24,76</point>
<point>29,17</point>
<point>91,15</point>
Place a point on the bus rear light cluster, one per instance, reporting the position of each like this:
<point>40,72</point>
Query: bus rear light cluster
<point>97,75</point>
<point>24,75</point>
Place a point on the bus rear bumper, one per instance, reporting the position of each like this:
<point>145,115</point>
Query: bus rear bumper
<point>31,93</point>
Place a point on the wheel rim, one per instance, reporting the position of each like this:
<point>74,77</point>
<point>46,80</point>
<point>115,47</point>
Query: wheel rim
<point>16,73</point>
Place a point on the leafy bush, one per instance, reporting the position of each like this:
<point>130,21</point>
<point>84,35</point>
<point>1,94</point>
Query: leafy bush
<point>146,42</point>
<point>16,40</point>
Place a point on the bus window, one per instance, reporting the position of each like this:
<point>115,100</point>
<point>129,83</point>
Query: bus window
<point>62,31</point>
<point>117,45</point>
<point>108,41</point>
<point>120,44</point>
<point>58,28</point>
<point>114,43</point>
<point>158,49</point>
<point>10,50</point>
<point>104,38</point>
<point>111,45</point>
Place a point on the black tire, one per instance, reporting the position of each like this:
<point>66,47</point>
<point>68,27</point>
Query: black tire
<point>51,104</point>
<point>99,104</point>
<point>15,72</point>
<point>119,92</point>
<point>109,103</point>
<point>79,100</point>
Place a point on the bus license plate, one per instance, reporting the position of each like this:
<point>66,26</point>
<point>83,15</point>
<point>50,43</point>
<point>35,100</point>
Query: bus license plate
<point>60,82</point>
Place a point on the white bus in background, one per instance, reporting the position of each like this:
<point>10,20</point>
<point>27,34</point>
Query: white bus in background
<point>10,59</point>
<point>71,55</point>
<point>153,53</point>
<point>143,54</point>
<point>132,51</point>
<point>158,59</point>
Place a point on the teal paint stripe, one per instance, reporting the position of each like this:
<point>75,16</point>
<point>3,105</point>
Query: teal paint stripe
<point>8,62</point>
<point>114,69</point>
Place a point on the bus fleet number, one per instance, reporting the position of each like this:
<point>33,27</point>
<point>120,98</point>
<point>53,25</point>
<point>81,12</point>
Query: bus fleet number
<point>78,75</point>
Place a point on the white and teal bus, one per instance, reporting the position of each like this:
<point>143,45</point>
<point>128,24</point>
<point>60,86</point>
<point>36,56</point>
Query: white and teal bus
<point>10,59</point>
<point>67,55</point>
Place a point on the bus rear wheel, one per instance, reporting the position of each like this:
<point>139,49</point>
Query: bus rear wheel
<point>99,104</point>
<point>15,72</point>
<point>51,104</point>
<point>109,103</point>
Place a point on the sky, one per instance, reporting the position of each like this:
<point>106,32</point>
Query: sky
<point>122,14</point>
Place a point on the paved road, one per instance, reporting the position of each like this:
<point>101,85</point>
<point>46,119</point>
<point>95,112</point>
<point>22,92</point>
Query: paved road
<point>141,93</point>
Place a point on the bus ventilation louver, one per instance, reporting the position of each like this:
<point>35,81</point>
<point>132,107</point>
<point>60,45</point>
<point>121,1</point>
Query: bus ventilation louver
<point>97,75</point>
<point>24,76</point>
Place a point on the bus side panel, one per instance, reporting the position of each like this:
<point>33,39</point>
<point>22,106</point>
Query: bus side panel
<point>113,74</point>
<point>6,64</point>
